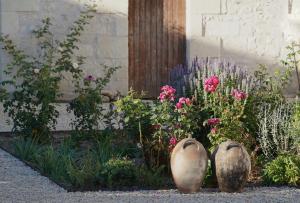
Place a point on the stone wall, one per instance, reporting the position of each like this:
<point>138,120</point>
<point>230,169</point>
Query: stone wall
<point>247,31</point>
<point>105,41</point>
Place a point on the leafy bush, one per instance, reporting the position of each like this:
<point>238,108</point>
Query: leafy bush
<point>87,106</point>
<point>26,149</point>
<point>35,81</point>
<point>151,178</point>
<point>277,134</point>
<point>119,173</point>
<point>135,115</point>
<point>285,169</point>
<point>221,91</point>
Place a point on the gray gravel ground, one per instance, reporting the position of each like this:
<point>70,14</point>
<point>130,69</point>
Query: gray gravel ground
<point>19,183</point>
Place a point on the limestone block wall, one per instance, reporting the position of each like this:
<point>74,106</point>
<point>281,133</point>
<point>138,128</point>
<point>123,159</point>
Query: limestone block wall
<point>105,41</point>
<point>247,31</point>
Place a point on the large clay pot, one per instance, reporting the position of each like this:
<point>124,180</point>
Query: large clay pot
<point>188,165</point>
<point>231,164</point>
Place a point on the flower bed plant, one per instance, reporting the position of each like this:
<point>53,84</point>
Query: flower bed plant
<point>130,145</point>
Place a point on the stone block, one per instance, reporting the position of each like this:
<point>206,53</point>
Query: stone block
<point>112,47</point>
<point>9,23</point>
<point>204,6</point>
<point>223,28</point>
<point>20,5</point>
<point>109,6</point>
<point>204,46</point>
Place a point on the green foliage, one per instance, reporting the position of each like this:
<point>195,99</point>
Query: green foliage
<point>103,150</point>
<point>151,178</point>
<point>83,173</point>
<point>209,178</point>
<point>285,169</point>
<point>119,173</point>
<point>292,61</point>
<point>278,129</point>
<point>87,106</point>
<point>135,115</point>
<point>26,149</point>
<point>296,128</point>
<point>35,81</point>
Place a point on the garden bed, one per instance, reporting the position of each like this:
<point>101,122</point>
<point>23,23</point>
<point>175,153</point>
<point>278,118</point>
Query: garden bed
<point>212,101</point>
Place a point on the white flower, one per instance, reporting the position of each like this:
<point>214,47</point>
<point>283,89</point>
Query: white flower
<point>139,145</point>
<point>75,65</point>
<point>36,70</point>
<point>60,49</point>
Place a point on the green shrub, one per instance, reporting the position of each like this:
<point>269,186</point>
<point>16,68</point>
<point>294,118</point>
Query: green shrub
<point>26,149</point>
<point>134,115</point>
<point>285,169</point>
<point>87,106</point>
<point>119,173</point>
<point>35,80</point>
<point>277,129</point>
<point>83,173</point>
<point>151,178</point>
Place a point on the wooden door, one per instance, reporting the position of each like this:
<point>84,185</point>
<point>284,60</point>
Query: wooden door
<point>156,42</point>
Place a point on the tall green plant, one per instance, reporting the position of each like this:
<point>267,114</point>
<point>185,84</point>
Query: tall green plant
<point>87,106</point>
<point>35,80</point>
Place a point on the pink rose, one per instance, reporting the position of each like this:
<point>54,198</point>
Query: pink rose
<point>179,105</point>
<point>173,141</point>
<point>188,102</point>
<point>238,94</point>
<point>183,101</point>
<point>214,130</point>
<point>168,93</point>
<point>213,121</point>
<point>211,84</point>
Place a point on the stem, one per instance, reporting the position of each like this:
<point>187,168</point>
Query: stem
<point>296,67</point>
<point>141,135</point>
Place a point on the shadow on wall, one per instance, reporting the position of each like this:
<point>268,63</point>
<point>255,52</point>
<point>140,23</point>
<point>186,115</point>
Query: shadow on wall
<point>242,58</point>
<point>104,41</point>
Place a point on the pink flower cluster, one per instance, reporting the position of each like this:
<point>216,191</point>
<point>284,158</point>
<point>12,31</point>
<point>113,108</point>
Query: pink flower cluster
<point>238,94</point>
<point>211,84</point>
<point>213,121</point>
<point>173,141</point>
<point>168,93</point>
<point>183,101</point>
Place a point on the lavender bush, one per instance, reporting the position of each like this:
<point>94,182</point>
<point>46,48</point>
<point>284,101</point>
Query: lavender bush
<point>187,79</point>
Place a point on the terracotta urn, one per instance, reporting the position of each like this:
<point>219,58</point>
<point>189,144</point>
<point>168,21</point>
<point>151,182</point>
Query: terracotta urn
<point>231,165</point>
<point>189,165</point>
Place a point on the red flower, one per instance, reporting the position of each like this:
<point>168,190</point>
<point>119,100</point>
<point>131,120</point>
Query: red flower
<point>168,93</point>
<point>213,121</point>
<point>173,141</point>
<point>179,105</point>
<point>238,94</point>
<point>211,84</point>
<point>183,101</point>
<point>214,130</point>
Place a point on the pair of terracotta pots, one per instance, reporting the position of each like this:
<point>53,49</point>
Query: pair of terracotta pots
<point>230,163</point>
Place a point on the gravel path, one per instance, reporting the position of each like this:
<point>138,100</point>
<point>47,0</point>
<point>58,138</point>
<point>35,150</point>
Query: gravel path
<point>19,183</point>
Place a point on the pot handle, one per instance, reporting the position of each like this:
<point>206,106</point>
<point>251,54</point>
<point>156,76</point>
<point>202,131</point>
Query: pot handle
<point>190,142</point>
<point>232,146</point>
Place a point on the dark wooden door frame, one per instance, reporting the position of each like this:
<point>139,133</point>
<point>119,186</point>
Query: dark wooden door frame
<point>157,42</point>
